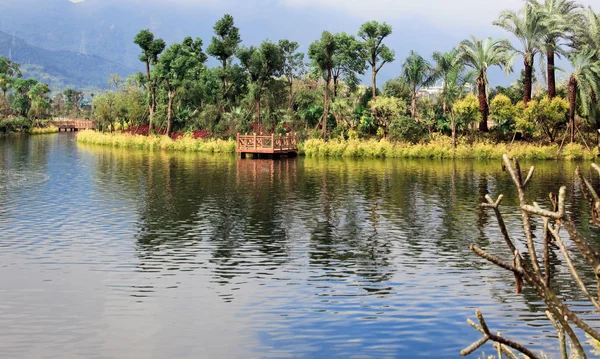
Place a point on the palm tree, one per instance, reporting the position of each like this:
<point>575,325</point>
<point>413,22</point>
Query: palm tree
<point>455,87</point>
<point>583,82</point>
<point>529,26</point>
<point>480,55</point>
<point>417,72</point>
<point>587,35</point>
<point>561,17</point>
<point>447,64</point>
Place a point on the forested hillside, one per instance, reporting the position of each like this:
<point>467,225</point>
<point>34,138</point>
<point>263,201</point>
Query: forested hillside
<point>60,69</point>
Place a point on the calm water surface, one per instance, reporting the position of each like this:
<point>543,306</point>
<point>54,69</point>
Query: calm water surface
<point>107,253</point>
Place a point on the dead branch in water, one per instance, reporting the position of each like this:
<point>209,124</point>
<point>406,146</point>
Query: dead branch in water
<point>529,272</point>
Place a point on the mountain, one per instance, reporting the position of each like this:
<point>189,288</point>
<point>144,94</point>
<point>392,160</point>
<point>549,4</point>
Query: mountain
<point>106,28</point>
<point>60,69</point>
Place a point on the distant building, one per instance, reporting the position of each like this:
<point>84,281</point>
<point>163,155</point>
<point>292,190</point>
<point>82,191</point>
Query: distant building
<point>429,92</point>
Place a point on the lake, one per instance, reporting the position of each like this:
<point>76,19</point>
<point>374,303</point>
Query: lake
<point>113,253</point>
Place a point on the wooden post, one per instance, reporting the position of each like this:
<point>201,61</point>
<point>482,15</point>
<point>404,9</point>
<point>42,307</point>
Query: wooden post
<point>273,141</point>
<point>237,141</point>
<point>255,140</point>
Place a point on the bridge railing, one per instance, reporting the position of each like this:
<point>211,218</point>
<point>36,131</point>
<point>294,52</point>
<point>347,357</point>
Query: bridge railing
<point>77,124</point>
<point>272,142</point>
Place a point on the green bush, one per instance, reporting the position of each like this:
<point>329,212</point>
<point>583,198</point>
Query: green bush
<point>407,129</point>
<point>209,118</point>
<point>18,124</point>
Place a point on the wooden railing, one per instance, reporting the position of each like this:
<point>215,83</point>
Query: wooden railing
<point>269,143</point>
<point>75,124</point>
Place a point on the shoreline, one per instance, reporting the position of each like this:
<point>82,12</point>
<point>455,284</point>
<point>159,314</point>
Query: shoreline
<point>33,131</point>
<point>440,148</point>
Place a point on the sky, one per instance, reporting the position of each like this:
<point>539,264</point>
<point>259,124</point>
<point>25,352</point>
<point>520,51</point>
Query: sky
<point>450,15</point>
<point>421,25</point>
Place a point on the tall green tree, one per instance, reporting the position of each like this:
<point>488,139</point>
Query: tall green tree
<point>417,72</point>
<point>263,64</point>
<point>105,109</point>
<point>377,53</point>
<point>22,101</point>
<point>151,49</point>
<point>293,65</point>
<point>349,61</point>
<point>9,71</point>
<point>40,103</point>
<point>72,99</point>
<point>560,19</point>
<point>480,55</point>
<point>587,32</point>
<point>455,88</point>
<point>322,53</point>
<point>398,88</point>
<point>450,70</point>
<point>584,83</point>
<point>223,47</point>
<point>529,26</point>
<point>447,65</point>
<point>178,67</point>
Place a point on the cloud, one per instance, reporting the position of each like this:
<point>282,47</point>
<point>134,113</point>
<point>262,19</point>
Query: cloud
<point>462,14</point>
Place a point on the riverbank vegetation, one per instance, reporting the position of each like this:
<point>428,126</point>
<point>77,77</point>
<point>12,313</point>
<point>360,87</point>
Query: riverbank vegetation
<point>272,87</point>
<point>440,148</point>
<point>186,143</point>
<point>25,125</point>
<point>27,105</point>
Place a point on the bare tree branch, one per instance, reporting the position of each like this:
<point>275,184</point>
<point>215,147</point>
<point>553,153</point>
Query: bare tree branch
<point>487,335</point>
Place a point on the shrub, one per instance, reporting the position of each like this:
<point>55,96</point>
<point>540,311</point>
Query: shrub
<point>43,130</point>
<point>467,111</point>
<point>441,148</point>
<point>16,124</point>
<point>384,110</point>
<point>550,116</point>
<point>407,129</point>
<point>209,117</point>
<point>187,142</point>
<point>503,112</point>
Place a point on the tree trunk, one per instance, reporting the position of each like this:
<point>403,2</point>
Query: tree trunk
<point>413,105</point>
<point>257,116</point>
<point>291,99</point>
<point>223,87</point>
<point>598,135</point>
<point>527,81</point>
<point>152,104</point>
<point>374,79</point>
<point>453,125</point>
<point>597,120</point>
<point>171,95</point>
<point>551,74</point>
<point>572,105</point>
<point>335,86</point>
<point>483,105</point>
<point>326,104</point>
<point>152,108</point>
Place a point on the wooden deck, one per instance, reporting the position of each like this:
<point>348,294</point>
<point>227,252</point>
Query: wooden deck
<point>270,145</point>
<point>74,125</point>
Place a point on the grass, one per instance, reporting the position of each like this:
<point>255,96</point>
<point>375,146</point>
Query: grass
<point>43,130</point>
<point>441,148</point>
<point>185,144</point>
